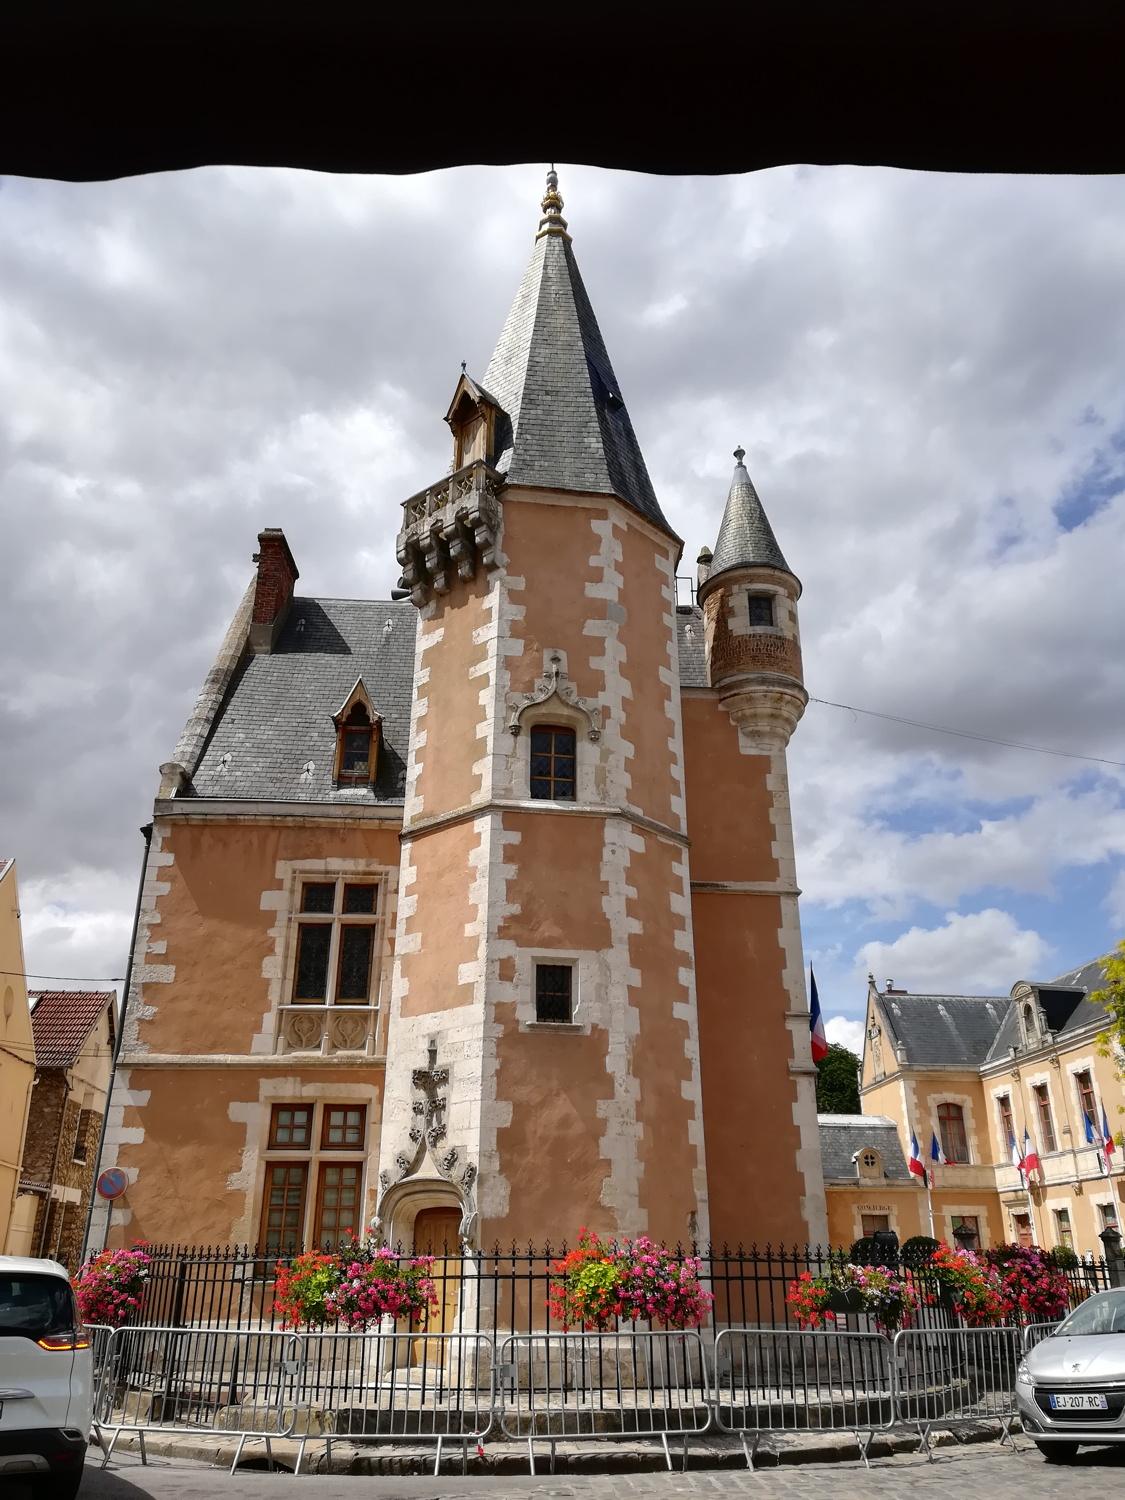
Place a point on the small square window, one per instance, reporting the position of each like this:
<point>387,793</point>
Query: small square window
<point>344,1126</point>
<point>553,763</point>
<point>553,992</point>
<point>760,607</point>
<point>317,896</point>
<point>290,1126</point>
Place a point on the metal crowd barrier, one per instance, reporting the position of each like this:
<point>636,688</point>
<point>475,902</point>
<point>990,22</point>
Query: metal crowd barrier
<point>197,1380</point>
<point>782,1380</point>
<point>591,1385</point>
<point>953,1376</point>
<point>1035,1333</point>
<point>396,1387</point>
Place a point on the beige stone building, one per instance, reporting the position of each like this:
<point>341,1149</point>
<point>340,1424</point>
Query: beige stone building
<point>976,1072</point>
<point>17,1051</point>
<point>472,913</point>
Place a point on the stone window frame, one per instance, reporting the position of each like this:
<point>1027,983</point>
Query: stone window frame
<point>938,1104</point>
<point>314,1157</point>
<point>279,966</point>
<point>890,1210</point>
<point>738,609</point>
<point>358,697</point>
<point>555,701</point>
<point>1075,1066</point>
<point>552,779</point>
<point>977,1211</point>
<point>337,919</point>
<point>526,964</point>
<point>1043,1081</point>
<point>875,1172</point>
<point>1003,1097</point>
<point>1064,1233</point>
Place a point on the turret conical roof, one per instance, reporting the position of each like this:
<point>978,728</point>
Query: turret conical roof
<point>746,538</point>
<point>565,425</point>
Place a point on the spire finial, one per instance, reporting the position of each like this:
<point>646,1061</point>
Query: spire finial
<point>552,221</point>
<point>464,362</point>
<point>739,455</point>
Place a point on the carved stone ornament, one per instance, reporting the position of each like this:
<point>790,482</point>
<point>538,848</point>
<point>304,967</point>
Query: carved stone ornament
<point>426,1133</point>
<point>303,1031</point>
<point>554,684</point>
<point>450,530</point>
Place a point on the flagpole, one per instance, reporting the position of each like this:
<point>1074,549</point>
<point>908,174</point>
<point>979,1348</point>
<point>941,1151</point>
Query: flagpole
<point>930,1202</point>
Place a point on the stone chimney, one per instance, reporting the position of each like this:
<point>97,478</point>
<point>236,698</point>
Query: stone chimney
<point>273,589</point>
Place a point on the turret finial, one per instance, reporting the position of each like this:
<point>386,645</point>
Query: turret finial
<point>739,455</point>
<point>552,221</point>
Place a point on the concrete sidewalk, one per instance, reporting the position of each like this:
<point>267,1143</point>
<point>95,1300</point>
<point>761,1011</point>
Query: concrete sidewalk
<point>508,1457</point>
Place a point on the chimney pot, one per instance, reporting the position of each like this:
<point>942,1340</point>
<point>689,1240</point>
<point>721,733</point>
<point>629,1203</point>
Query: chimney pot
<point>273,591</point>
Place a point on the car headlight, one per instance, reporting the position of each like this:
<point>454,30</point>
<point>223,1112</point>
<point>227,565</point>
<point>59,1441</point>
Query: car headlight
<point>1023,1374</point>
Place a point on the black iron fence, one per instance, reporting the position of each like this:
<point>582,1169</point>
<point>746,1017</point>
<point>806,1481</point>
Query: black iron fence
<point>500,1292</point>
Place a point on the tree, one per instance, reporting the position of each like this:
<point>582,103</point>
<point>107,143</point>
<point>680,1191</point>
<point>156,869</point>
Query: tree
<point>1112,998</point>
<point>837,1082</point>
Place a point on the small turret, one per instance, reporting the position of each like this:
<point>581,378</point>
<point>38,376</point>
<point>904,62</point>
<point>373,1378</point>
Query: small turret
<point>749,601</point>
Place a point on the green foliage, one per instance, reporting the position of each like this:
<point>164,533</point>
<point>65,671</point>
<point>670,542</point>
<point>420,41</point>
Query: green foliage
<point>837,1082</point>
<point>1063,1257</point>
<point>1112,997</point>
<point>917,1250</point>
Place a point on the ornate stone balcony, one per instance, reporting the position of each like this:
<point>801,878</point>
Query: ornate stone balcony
<point>450,530</point>
<point>325,1030</point>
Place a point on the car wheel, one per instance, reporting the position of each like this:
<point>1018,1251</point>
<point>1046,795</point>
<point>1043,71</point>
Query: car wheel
<point>1058,1453</point>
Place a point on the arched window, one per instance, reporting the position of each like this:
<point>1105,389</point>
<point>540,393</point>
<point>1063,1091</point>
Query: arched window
<point>355,762</point>
<point>951,1128</point>
<point>553,763</point>
<point>870,1162</point>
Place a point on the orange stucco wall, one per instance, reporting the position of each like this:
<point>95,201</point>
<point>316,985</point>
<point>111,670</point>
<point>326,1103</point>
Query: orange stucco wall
<point>216,932</point>
<point>745,1045</point>
<point>446,779</point>
<point>193,1183</point>
<point>441,859</point>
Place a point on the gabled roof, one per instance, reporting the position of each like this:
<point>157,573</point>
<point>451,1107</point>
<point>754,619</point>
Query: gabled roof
<point>943,1030</point>
<point>61,1020</point>
<point>842,1136</point>
<point>276,719</point>
<point>564,424</point>
<point>746,537</point>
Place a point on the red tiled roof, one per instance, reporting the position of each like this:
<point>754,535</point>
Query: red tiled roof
<point>62,1020</point>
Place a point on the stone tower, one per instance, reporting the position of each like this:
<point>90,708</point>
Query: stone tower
<point>543,1053</point>
<point>762,1149</point>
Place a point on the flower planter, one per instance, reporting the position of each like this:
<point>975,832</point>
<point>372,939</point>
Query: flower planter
<point>846,1300</point>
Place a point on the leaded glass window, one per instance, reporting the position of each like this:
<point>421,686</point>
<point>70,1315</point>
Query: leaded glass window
<point>553,763</point>
<point>553,997</point>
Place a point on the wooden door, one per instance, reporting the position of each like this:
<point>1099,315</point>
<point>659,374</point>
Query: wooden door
<point>436,1232</point>
<point>1023,1230</point>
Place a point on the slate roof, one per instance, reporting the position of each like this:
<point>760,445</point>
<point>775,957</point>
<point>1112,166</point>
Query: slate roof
<point>691,647</point>
<point>944,1030</point>
<point>1065,1001</point>
<point>277,715</point>
<point>61,1020</point>
<point>745,537</point>
<point>565,425</point>
<point>841,1136</point>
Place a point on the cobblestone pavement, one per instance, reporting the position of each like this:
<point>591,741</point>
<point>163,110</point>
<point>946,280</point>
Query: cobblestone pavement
<point>986,1469</point>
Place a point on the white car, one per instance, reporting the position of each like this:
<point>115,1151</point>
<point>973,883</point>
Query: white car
<point>46,1378</point>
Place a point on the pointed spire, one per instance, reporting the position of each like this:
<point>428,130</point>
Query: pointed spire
<point>552,221</point>
<point>746,538</point>
<point>563,423</point>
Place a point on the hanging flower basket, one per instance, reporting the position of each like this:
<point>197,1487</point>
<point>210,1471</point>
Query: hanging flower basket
<point>885,1296</point>
<point>109,1287</point>
<point>845,1300</point>
<point>599,1284</point>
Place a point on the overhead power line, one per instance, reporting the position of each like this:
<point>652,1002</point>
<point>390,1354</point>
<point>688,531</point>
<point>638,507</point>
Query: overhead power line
<point>967,734</point>
<point>60,978</point>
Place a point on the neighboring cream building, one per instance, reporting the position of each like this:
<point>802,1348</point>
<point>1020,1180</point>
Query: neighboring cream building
<point>17,1051</point>
<point>976,1070</point>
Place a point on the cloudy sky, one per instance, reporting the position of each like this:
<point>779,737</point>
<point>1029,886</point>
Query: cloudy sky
<point>926,373</point>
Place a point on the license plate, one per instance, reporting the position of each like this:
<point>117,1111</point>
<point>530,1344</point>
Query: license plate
<point>1084,1401</point>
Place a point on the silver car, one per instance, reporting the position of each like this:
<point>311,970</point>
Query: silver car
<point>1070,1388</point>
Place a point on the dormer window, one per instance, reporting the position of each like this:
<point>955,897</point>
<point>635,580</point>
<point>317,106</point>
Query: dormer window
<point>472,420</point>
<point>355,746</point>
<point>870,1163</point>
<point>357,739</point>
<point>760,607</point>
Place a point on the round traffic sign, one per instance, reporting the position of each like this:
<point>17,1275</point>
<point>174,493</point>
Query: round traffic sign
<point>112,1182</point>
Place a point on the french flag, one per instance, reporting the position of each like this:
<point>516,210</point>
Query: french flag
<point>937,1155</point>
<point>818,1040</point>
<point>914,1165</point>
<point>1093,1139</point>
<point>1030,1162</point>
<point>1109,1145</point>
<point>1014,1152</point>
